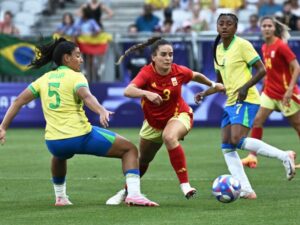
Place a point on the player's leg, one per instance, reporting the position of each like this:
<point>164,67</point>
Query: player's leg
<point>295,123</point>
<point>102,142</point>
<point>260,147</point>
<point>232,158</point>
<point>257,132</point>
<point>59,171</point>
<point>174,131</point>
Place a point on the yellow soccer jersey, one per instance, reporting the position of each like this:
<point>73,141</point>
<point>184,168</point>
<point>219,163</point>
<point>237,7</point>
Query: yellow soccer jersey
<point>63,110</point>
<point>237,61</point>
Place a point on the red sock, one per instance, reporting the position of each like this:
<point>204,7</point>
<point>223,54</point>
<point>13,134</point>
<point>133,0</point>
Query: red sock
<point>257,132</point>
<point>178,162</point>
<point>143,169</point>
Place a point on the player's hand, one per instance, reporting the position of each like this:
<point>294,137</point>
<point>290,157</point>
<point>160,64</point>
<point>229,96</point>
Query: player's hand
<point>104,117</point>
<point>2,135</point>
<point>154,97</point>
<point>287,98</point>
<point>198,98</point>
<point>242,94</point>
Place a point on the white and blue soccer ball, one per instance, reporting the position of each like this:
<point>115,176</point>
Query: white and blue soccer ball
<point>226,188</point>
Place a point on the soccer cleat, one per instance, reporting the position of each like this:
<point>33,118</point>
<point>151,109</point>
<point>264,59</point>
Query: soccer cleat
<point>62,201</point>
<point>139,200</point>
<point>289,165</point>
<point>248,195</point>
<point>297,166</point>
<point>118,198</point>
<point>250,161</point>
<point>188,191</point>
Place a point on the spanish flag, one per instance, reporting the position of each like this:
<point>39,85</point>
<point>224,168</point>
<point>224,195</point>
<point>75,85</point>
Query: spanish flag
<point>94,45</point>
<point>15,56</point>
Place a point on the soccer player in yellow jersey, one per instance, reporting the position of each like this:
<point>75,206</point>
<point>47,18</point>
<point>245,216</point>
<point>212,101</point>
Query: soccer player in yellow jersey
<point>234,58</point>
<point>63,92</point>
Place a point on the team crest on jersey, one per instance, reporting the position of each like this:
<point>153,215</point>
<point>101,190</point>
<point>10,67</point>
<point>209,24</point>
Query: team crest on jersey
<point>272,54</point>
<point>153,84</point>
<point>174,81</point>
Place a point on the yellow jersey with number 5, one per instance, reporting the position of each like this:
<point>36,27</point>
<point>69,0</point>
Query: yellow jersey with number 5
<point>236,64</point>
<point>62,108</point>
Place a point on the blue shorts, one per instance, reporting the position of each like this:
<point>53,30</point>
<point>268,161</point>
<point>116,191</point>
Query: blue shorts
<point>97,143</point>
<point>241,113</point>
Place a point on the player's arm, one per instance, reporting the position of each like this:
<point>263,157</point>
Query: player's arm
<point>202,79</point>
<point>295,69</point>
<point>132,91</point>
<point>217,87</point>
<point>260,73</point>
<point>24,98</point>
<point>92,103</point>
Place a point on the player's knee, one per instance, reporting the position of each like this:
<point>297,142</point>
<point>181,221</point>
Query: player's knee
<point>169,139</point>
<point>235,139</point>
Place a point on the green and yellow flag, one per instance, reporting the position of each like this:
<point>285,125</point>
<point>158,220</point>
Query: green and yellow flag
<point>16,54</point>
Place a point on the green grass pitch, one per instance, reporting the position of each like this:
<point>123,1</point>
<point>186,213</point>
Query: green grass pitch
<point>26,192</point>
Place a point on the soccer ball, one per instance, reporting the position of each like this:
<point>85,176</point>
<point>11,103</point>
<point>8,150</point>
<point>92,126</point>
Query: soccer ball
<point>226,188</point>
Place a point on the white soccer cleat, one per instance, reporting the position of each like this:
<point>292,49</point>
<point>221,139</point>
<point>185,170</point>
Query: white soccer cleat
<point>188,191</point>
<point>140,200</point>
<point>62,201</point>
<point>118,198</point>
<point>289,165</point>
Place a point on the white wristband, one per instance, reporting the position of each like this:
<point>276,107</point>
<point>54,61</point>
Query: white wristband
<point>213,84</point>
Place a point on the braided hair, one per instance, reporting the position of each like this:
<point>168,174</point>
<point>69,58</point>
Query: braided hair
<point>218,38</point>
<point>52,52</point>
<point>155,42</point>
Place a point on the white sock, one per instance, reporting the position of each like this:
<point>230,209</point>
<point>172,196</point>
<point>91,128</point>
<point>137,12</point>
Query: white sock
<point>262,148</point>
<point>133,184</point>
<point>60,190</point>
<point>236,169</point>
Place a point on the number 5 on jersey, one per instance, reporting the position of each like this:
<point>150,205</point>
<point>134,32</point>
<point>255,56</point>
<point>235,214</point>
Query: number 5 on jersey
<point>53,92</point>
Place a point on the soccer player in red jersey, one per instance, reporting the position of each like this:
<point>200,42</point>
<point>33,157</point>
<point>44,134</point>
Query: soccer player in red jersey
<point>280,92</point>
<point>168,118</point>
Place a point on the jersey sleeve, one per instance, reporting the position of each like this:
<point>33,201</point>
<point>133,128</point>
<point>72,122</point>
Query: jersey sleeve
<point>35,87</point>
<point>80,81</point>
<point>287,53</point>
<point>140,80</point>
<point>188,74</point>
<point>249,54</point>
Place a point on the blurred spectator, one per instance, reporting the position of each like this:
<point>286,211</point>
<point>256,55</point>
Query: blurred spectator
<point>288,18</point>
<point>268,7</point>
<point>147,22</point>
<point>187,27</point>
<point>96,9</point>
<point>135,62</point>
<point>158,4</point>
<point>295,7</point>
<point>67,27</point>
<point>229,4</point>
<point>253,28</point>
<point>7,26</point>
<point>87,26</point>
<point>132,30</point>
<point>182,4</point>
<point>167,26</point>
<point>297,28</point>
<point>197,22</point>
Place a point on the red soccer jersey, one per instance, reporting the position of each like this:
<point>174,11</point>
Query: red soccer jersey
<point>277,57</point>
<point>169,88</point>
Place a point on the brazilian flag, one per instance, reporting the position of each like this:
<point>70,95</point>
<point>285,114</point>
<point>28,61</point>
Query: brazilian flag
<point>16,54</point>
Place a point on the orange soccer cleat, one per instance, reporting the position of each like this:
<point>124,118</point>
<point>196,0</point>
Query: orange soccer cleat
<point>250,161</point>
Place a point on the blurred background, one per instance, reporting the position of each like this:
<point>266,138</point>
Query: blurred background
<point>104,29</point>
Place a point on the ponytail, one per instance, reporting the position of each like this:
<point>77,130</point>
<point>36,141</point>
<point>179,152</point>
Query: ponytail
<point>215,49</point>
<point>52,52</point>
<point>133,48</point>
